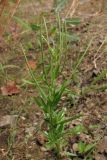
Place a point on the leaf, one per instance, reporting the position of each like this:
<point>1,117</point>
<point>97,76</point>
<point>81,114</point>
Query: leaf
<point>35,27</point>
<point>73,21</point>
<point>71,119</point>
<point>8,120</point>
<point>40,102</point>
<point>23,23</point>
<point>70,37</point>
<point>71,154</point>
<point>84,148</point>
<point>58,94</point>
<point>78,129</point>
<point>89,147</point>
<point>81,146</point>
<point>10,89</point>
<point>30,82</point>
<point>99,77</point>
<point>60,4</point>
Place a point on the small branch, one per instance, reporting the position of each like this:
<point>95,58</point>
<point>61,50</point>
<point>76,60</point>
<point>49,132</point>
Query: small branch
<point>72,9</point>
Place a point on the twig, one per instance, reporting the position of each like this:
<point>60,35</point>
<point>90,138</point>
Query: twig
<point>72,9</point>
<point>3,3</point>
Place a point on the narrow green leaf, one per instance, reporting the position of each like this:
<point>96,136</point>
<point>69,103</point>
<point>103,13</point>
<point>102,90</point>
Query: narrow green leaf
<point>73,21</point>
<point>71,119</point>
<point>35,27</point>
<point>99,77</point>
<point>89,147</point>
<point>81,146</point>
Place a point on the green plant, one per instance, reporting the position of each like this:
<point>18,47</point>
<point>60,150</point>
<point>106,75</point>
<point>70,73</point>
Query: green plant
<point>59,4</point>
<point>11,141</point>
<point>86,149</point>
<point>94,86</point>
<point>50,92</point>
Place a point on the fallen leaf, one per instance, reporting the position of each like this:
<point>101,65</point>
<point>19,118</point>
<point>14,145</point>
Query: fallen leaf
<point>32,64</point>
<point>40,139</point>
<point>10,89</point>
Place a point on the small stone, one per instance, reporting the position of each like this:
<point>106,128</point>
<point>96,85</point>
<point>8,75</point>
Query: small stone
<point>23,118</point>
<point>95,72</point>
<point>75,147</point>
<point>100,157</point>
<point>43,149</point>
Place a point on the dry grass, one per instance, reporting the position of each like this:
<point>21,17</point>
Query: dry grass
<point>10,9</point>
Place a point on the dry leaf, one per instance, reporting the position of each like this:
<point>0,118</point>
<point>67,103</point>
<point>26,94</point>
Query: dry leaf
<point>40,139</point>
<point>10,89</point>
<point>7,120</point>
